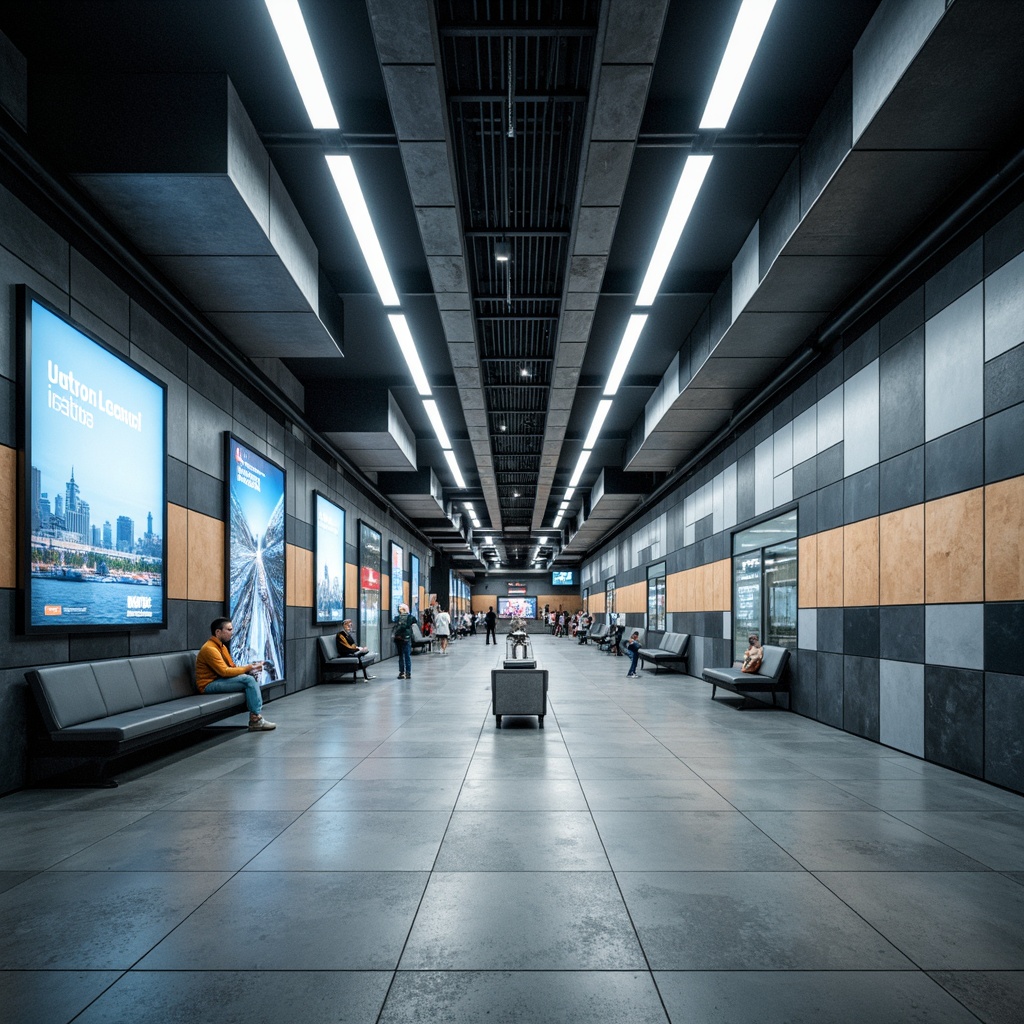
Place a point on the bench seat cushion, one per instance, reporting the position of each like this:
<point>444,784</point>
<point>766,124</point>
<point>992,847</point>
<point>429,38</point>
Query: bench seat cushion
<point>728,675</point>
<point>131,725</point>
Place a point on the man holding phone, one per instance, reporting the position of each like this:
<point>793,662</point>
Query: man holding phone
<point>216,672</point>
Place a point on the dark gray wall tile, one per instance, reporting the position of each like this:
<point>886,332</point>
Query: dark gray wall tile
<point>830,507</point>
<point>860,352</point>
<point>829,465</point>
<point>831,630</point>
<point>901,481</point>
<point>805,477</point>
<point>160,641</point>
<point>807,515</point>
<point>803,683</point>
<point>8,413</point>
<point>860,696</point>
<point>954,718</point>
<point>830,689</point>
<point>860,632</point>
<point>830,376</point>
<point>956,278</point>
<point>901,396</point>
<point>1004,380</point>
<point>177,482</point>
<point>98,647</point>
<point>901,632</point>
<point>1004,730</point>
<point>210,382</point>
<point>860,495</point>
<point>906,317</point>
<point>205,494</point>
<point>1004,452</point>
<point>1004,627</point>
<point>954,462</point>
<point>745,469</point>
<point>805,396</point>
<point>17,651</point>
<point>1005,240</point>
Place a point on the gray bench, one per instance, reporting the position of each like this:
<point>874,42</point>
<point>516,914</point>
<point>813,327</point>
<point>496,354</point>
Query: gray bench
<point>419,641</point>
<point>671,650</point>
<point>519,691</point>
<point>769,678</point>
<point>598,631</point>
<point>103,709</point>
<point>333,663</point>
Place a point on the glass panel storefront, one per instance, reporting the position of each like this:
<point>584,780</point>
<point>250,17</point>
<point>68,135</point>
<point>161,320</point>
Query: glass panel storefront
<point>764,583</point>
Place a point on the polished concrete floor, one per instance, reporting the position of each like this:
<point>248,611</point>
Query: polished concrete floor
<point>387,855</point>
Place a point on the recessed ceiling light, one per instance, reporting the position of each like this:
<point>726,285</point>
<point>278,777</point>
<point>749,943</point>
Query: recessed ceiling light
<point>456,472</point>
<point>603,408</point>
<point>436,422</point>
<point>502,427</point>
<point>359,216</point>
<point>524,372</point>
<point>412,358</point>
<point>502,251</point>
<point>739,55</point>
<point>630,336</point>
<point>298,50</point>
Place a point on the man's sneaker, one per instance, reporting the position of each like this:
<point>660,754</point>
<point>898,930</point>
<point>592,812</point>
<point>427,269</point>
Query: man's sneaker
<point>260,725</point>
<point>401,675</point>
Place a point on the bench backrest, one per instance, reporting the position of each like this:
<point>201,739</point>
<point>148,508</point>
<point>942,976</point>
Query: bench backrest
<point>417,634</point>
<point>774,662</point>
<point>71,694</point>
<point>675,643</point>
<point>598,630</point>
<point>328,646</point>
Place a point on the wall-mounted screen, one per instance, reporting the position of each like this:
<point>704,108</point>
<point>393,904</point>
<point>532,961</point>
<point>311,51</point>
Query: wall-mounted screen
<point>94,489</point>
<point>414,585</point>
<point>369,586</point>
<point>517,607</point>
<point>330,560</point>
<point>397,569</point>
<point>256,567</point>
<point>563,578</point>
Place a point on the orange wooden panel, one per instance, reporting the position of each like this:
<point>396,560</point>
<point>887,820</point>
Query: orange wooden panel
<point>723,585</point>
<point>689,590</point>
<point>205,557</point>
<point>632,598</point>
<point>8,517</point>
<point>177,552</point>
<point>830,568</point>
<point>954,548</point>
<point>1004,540</point>
<point>709,587</point>
<point>597,603</point>
<point>385,593</point>
<point>807,586</point>
<point>860,563</point>
<point>299,574</point>
<point>901,556</point>
<point>674,592</point>
<point>351,585</point>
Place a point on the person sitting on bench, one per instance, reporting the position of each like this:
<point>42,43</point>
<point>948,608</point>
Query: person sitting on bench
<point>216,672</point>
<point>348,648</point>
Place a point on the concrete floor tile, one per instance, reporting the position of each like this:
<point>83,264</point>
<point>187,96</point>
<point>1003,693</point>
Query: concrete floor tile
<point>391,795</point>
<point>34,840</point>
<point>315,920</point>
<point>996,997</point>
<point>50,997</point>
<point>513,795</point>
<point>652,795</point>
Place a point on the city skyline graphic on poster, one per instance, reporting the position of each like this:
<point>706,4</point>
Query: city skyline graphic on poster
<point>330,561</point>
<point>397,584</point>
<point>256,559</point>
<point>96,483</point>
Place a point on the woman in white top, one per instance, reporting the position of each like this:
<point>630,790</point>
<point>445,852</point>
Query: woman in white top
<point>443,628</point>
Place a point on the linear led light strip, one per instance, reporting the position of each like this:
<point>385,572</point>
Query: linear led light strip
<point>751,21</point>
<point>298,49</point>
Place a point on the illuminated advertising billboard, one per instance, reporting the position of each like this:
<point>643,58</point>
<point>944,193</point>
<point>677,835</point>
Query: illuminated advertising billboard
<point>329,604</point>
<point>414,585</point>
<point>94,487</point>
<point>369,586</point>
<point>397,567</point>
<point>563,578</point>
<point>517,607</point>
<point>256,566</point>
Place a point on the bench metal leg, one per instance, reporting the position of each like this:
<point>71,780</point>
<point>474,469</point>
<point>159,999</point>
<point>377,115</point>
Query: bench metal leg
<point>714,690</point>
<point>497,721</point>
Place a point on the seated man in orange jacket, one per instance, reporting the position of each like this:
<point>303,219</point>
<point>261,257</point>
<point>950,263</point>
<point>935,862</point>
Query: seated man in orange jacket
<point>216,672</point>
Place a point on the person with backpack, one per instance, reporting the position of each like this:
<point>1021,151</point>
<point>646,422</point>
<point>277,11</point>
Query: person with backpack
<point>401,633</point>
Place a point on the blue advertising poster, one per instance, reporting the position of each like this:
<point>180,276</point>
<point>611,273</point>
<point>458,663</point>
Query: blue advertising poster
<point>397,568</point>
<point>330,560</point>
<point>95,485</point>
<point>256,567</point>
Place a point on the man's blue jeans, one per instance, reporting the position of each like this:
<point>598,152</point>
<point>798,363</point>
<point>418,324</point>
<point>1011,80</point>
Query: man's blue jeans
<point>404,657</point>
<point>239,684</point>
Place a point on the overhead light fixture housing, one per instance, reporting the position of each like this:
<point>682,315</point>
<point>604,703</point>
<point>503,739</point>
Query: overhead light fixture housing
<point>503,251</point>
<point>603,408</point>
<point>412,358</point>
<point>298,50</point>
<point>347,184</point>
<point>436,422</point>
<point>453,465</point>
<point>581,464</point>
<point>630,336</point>
<point>747,31</point>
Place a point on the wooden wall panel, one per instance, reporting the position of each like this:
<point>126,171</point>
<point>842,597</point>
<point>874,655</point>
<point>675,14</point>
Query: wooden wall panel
<point>1004,540</point>
<point>954,548</point>
<point>8,517</point>
<point>830,568</point>
<point>709,588</point>
<point>385,594</point>
<point>597,603</point>
<point>481,602</point>
<point>807,586</point>
<point>299,576</point>
<point>860,563</point>
<point>177,552</point>
<point>674,591</point>
<point>632,599</point>
<point>206,539</point>
<point>901,556</point>
<point>351,585</point>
